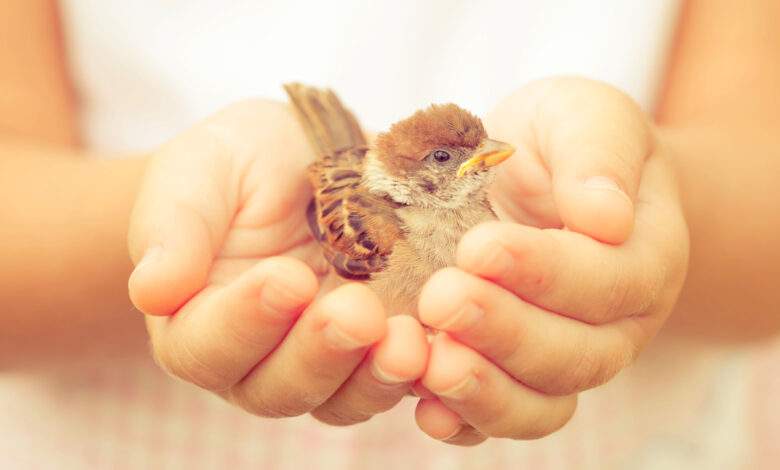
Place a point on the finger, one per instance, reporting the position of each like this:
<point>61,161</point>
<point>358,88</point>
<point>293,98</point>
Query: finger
<point>224,270</point>
<point>564,271</point>
<point>193,189</point>
<point>419,390</point>
<point>593,139</point>
<point>384,376</point>
<point>178,222</point>
<point>571,274</point>
<point>487,398</point>
<point>217,340</point>
<point>547,352</point>
<point>523,191</point>
<point>443,424</point>
<point>318,355</point>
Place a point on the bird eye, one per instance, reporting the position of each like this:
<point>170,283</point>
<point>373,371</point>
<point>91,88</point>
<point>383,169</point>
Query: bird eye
<point>441,156</point>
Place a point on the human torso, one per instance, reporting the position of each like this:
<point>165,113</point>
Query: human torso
<point>146,70</point>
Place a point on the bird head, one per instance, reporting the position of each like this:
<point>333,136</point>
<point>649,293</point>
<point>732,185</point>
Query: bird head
<point>439,157</point>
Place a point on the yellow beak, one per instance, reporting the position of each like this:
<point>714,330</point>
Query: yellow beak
<point>490,153</point>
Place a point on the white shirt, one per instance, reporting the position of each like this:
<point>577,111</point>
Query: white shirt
<point>147,69</point>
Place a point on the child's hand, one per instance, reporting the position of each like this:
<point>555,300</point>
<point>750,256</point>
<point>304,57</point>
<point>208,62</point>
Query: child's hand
<point>535,314</point>
<point>225,266</point>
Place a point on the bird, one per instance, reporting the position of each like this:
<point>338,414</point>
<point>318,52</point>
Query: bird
<point>390,213</point>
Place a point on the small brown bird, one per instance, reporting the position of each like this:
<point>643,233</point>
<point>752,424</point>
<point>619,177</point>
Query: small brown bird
<point>393,212</point>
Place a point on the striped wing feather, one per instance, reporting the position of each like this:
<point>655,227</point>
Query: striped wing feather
<point>356,229</point>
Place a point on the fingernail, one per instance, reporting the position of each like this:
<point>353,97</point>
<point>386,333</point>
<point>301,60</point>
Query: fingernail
<point>602,183</point>
<point>463,390</point>
<point>339,339</point>
<point>467,316</point>
<point>455,433</point>
<point>151,256</point>
<point>384,376</point>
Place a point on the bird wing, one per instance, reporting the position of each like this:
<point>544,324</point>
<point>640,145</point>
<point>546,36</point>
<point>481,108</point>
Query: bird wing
<point>356,229</point>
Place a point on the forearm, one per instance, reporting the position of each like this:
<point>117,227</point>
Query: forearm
<point>728,182</point>
<point>720,113</point>
<point>63,250</point>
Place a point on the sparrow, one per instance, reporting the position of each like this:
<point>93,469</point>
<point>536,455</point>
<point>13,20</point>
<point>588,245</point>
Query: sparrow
<point>391,213</point>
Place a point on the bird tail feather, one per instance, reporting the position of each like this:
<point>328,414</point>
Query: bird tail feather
<point>330,127</point>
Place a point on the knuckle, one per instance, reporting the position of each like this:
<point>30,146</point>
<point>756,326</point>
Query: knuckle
<point>467,436</point>
<point>287,404</point>
<point>536,259</point>
<point>541,282</point>
<point>312,366</point>
<point>630,351</point>
<point>545,277</point>
<point>632,291</point>
<point>506,417</point>
<point>559,384</point>
<point>238,337</point>
<point>161,359</point>
<point>629,291</point>
<point>377,400</point>
<point>600,371</point>
<point>183,361</point>
<point>549,421</point>
<point>497,423</point>
<point>248,339</point>
<point>585,370</point>
<point>338,416</point>
<point>576,379</point>
<point>591,368</point>
<point>616,300</point>
<point>623,157</point>
<point>596,91</point>
<point>252,405</point>
<point>284,409</point>
<point>579,89</point>
<point>226,130</point>
<point>510,352</point>
<point>631,135</point>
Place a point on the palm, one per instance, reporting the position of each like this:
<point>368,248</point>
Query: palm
<point>269,219</point>
<point>222,197</point>
<point>225,270</point>
<point>522,193</point>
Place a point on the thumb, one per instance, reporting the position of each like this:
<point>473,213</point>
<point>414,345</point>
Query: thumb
<point>594,196</point>
<point>593,140</point>
<point>178,223</point>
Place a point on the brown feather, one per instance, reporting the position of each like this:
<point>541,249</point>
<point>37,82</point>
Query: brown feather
<point>356,229</point>
<point>365,236</point>
<point>328,124</point>
<point>410,140</point>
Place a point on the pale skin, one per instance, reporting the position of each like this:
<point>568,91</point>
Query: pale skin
<point>230,278</point>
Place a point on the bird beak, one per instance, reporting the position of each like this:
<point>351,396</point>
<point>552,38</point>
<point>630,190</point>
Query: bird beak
<point>490,153</point>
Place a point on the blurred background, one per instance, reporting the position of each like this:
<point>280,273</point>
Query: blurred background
<point>176,61</point>
<point>117,78</point>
